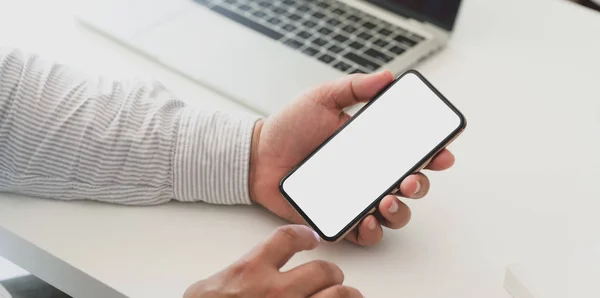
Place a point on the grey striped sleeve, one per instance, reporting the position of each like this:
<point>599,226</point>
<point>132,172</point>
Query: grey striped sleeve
<point>66,135</point>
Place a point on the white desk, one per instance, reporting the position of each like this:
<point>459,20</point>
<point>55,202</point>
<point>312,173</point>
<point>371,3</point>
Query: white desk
<point>525,73</point>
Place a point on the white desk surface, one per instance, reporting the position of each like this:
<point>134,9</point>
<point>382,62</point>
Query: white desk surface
<point>525,73</point>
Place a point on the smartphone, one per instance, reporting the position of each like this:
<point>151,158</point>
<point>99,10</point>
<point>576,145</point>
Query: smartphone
<point>394,135</point>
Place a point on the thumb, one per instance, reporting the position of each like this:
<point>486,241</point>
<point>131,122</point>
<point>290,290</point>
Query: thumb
<point>285,243</point>
<point>353,89</point>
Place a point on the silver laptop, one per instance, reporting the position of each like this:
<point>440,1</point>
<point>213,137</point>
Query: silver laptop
<point>264,53</point>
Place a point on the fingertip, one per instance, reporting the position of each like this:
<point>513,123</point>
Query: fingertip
<point>450,158</point>
<point>317,237</point>
<point>442,161</point>
<point>284,243</point>
<point>388,74</point>
<point>370,231</point>
<point>305,233</point>
<point>447,157</point>
<point>388,205</point>
<point>395,212</point>
<point>410,186</point>
<point>371,223</point>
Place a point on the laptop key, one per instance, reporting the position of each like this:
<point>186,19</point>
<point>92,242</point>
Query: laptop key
<point>356,70</point>
<point>289,2</point>
<point>265,4</point>
<point>310,51</point>
<point>340,38</point>
<point>323,5</point>
<point>293,43</point>
<point>245,7</point>
<point>318,15</point>
<point>405,40</point>
<point>289,27</point>
<point>294,17</point>
<point>335,49</point>
<point>303,8</point>
<point>326,58</point>
<point>385,32</point>
<point>356,45</point>
<point>304,34</point>
<point>279,10</point>
<point>247,22</point>
<point>309,24</point>
<point>367,64</point>
<point>387,25</point>
<point>324,31</point>
<point>338,11</point>
<point>342,66</point>
<point>365,36</point>
<point>353,18</point>
<point>369,25</point>
<point>380,42</point>
<point>333,22</point>
<point>378,55</point>
<point>397,50</point>
<point>319,41</point>
<point>259,14</point>
<point>349,28</point>
<point>274,21</point>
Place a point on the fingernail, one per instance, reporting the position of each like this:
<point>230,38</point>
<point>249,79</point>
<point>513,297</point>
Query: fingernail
<point>394,207</point>
<point>317,237</point>
<point>372,224</point>
<point>418,188</point>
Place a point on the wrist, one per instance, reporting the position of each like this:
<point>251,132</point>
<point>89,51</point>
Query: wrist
<point>254,158</point>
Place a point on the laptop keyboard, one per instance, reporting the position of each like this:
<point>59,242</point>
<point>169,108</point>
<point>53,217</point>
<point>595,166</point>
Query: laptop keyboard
<point>330,31</point>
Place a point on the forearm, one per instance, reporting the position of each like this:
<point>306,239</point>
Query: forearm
<point>69,136</point>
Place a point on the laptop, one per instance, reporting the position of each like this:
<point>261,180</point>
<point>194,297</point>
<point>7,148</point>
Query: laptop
<point>264,53</point>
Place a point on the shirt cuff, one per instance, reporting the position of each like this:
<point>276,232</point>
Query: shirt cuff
<point>212,157</point>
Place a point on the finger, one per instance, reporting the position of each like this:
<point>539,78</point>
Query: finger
<point>353,89</point>
<point>442,161</point>
<point>338,292</point>
<point>414,186</point>
<point>395,213</point>
<point>367,233</point>
<point>284,243</point>
<point>313,277</point>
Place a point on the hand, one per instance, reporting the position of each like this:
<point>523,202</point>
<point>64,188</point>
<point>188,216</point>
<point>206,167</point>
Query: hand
<point>257,275</point>
<point>286,138</point>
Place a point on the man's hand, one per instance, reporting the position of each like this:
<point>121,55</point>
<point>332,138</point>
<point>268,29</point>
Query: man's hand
<point>257,275</point>
<point>286,138</point>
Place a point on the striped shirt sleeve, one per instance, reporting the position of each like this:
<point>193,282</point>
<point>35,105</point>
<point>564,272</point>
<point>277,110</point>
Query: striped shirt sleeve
<point>66,135</point>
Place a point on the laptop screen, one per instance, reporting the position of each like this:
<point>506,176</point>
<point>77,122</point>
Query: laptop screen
<point>438,12</point>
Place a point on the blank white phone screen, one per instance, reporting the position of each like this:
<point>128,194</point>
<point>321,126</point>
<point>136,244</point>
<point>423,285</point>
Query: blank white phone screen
<point>370,154</point>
